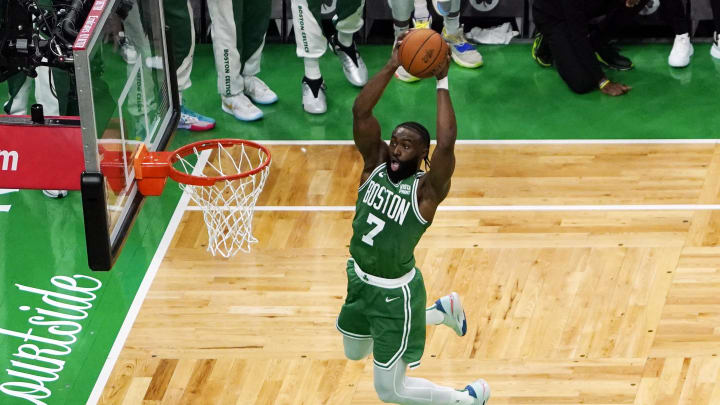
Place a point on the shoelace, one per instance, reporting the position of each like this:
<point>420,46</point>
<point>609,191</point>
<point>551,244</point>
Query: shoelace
<point>258,87</point>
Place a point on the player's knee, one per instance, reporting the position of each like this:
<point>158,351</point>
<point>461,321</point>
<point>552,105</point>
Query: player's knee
<point>386,391</point>
<point>355,355</point>
<point>356,349</point>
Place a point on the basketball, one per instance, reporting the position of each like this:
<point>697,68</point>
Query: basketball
<point>422,51</point>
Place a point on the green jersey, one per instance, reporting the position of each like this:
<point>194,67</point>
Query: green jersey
<point>387,225</point>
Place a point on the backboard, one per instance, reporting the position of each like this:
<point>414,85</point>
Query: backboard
<point>127,91</point>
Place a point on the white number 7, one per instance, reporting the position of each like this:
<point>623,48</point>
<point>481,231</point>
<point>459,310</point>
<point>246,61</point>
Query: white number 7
<point>379,225</point>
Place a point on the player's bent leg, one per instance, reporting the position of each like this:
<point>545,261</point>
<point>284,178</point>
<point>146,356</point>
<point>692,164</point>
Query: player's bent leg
<point>448,310</point>
<point>357,348</point>
<point>393,386</point>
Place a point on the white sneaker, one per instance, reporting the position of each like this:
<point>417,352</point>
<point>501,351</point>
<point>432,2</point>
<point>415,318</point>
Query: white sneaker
<point>353,65</point>
<point>715,49</point>
<point>463,53</point>
<point>55,193</point>
<point>258,91</point>
<point>402,74</point>
<point>241,108</point>
<point>154,62</point>
<point>480,391</point>
<point>127,50</point>
<point>313,103</point>
<point>454,314</point>
<point>681,51</point>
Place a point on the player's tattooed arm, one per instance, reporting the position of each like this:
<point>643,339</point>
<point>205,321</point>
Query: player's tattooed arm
<point>436,184</point>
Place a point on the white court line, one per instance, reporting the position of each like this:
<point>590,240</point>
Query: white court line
<point>184,200</point>
<point>519,142</point>
<point>495,208</point>
<point>144,288</point>
<point>5,208</point>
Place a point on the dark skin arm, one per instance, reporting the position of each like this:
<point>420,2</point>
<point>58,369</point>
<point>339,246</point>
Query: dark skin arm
<point>366,129</point>
<point>435,185</point>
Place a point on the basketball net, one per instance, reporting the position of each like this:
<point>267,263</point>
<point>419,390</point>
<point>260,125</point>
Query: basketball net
<point>227,205</point>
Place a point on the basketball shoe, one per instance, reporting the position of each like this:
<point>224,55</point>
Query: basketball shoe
<point>453,313</point>
<point>715,49</point>
<point>402,74</point>
<point>422,23</point>
<point>541,51</point>
<point>193,121</point>
<point>353,65</point>
<point>313,95</point>
<point>480,391</point>
<point>258,91</point>
<point>681,52</point>
<point>463,53</point>
<point>241,108</point>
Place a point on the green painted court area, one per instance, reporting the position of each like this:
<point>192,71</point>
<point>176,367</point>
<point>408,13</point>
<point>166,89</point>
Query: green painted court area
<point>511,97</point>
<point>43,264</point>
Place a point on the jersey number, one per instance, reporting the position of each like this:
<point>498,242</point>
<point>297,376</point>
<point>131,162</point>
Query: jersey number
<point>379,225</point>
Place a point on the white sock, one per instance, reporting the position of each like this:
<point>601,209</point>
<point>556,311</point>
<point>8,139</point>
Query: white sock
<point>685,35</point>
<point>452,25</point>
<point>345,39</point>
<point>312,68</point>
<point>399,30</point>
<point>433,316</point>
<point>421,10</point>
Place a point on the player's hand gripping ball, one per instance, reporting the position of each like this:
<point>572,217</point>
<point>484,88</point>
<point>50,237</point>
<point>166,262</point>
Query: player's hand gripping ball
<point>422,51</point>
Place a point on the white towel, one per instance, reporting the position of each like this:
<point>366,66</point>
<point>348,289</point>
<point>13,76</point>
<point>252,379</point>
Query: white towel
<point>502,34</point>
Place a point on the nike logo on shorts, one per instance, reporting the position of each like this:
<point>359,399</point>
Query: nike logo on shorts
<point>388,299</point>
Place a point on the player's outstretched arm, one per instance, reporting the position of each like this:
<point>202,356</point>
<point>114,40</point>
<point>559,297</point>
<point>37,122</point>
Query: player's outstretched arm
<point>366,129</point>
<point>436,184</point>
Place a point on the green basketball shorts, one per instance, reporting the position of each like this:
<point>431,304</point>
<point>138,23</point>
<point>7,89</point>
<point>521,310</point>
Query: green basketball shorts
<point>391,312</point>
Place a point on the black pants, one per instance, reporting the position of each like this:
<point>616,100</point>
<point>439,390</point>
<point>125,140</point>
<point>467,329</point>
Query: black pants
<point>674,12</point>
<point>576,65</point>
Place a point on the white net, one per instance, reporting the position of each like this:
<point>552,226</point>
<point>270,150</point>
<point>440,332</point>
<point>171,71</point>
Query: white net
<point>228,205</point>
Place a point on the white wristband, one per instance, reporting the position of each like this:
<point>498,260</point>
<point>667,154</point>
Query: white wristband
<point>443,83</point>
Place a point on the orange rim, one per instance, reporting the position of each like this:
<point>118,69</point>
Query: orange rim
<point>190,179</point>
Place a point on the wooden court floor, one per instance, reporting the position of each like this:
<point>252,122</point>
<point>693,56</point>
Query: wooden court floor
<point>563,307</point>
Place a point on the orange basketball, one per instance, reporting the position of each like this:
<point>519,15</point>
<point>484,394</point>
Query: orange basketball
<point>421,51</point>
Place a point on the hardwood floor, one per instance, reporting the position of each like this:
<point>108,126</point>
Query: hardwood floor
<point>564,307</point>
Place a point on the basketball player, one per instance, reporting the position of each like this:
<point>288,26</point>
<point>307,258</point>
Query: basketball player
<point>463,53</point>
<point>384,312</point>
<point>238,33</point>
<point>311,46</point>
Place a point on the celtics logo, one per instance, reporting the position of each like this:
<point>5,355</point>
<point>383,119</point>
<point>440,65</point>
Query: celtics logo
<point>328,6</point>
<point>484,5</point>
<point>651,7</point>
